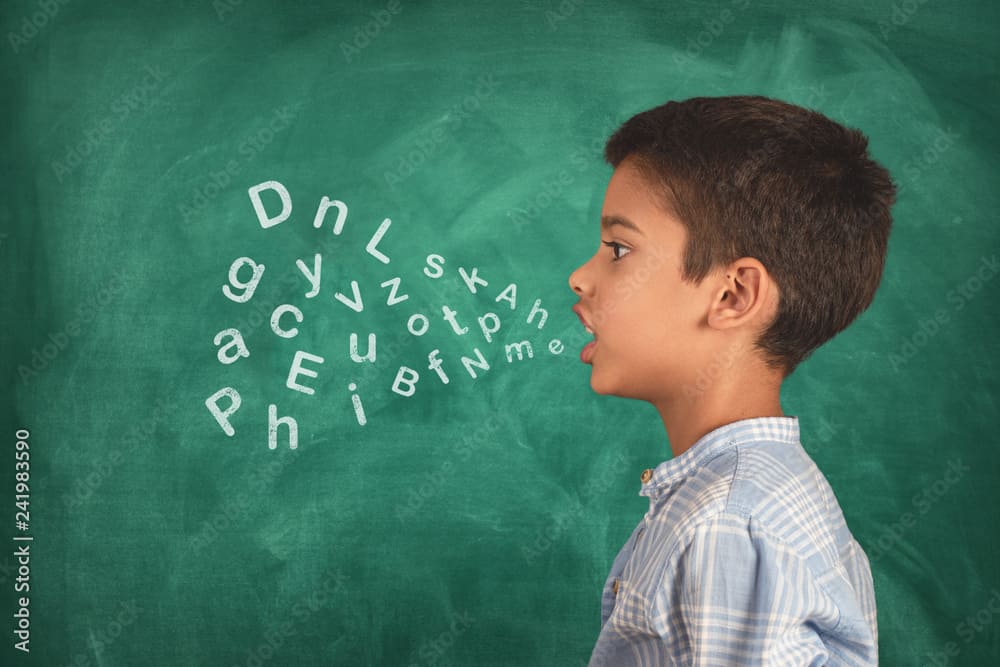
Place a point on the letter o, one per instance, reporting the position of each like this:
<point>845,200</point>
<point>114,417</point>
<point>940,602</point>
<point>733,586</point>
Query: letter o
<point>423,329</point>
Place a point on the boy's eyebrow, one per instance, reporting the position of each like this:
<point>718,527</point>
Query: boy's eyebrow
<point>609,221</point>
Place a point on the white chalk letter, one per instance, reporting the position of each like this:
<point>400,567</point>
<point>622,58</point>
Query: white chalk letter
<point>248,287</point>
<point>471,281</point>
<point>510,298</point>
<point>297,370</point>
<point>356,305</point>
<point>222,416</point>
<point>272,428</point>
<point>379,233</point>
<point>393,297</point>
<point>536,308</point>
<point>469,363</point>
<point>434,364</point>
<point>369,355</point>
<point>258,205</point>
<point>311,276</point>
<point>411,382</point>
<point>324,204</point>
<point>492,329</point>
<point>237,342</point>
<point>276,320</point>
<point>433,268</point>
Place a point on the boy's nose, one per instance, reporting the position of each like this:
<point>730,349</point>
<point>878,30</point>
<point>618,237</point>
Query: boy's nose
<point>579,281</point>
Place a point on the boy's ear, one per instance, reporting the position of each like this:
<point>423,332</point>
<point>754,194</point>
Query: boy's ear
<point>742,296</point>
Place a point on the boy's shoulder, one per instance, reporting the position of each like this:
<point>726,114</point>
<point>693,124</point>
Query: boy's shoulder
<point>776,490</point>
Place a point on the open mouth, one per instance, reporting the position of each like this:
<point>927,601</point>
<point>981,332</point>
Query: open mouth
<point>587,353</point>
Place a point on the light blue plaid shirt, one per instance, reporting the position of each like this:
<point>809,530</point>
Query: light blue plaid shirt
<point>743,558</point>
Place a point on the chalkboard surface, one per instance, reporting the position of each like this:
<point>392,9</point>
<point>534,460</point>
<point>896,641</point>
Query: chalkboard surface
<point>380,204</point>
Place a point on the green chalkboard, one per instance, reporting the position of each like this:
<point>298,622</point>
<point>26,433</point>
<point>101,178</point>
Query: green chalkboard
<point>375,167</point>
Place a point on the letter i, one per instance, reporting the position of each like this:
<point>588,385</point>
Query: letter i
<point>359,410</point>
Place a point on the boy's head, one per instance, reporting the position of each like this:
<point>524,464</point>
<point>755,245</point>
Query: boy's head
<point>761,231</point>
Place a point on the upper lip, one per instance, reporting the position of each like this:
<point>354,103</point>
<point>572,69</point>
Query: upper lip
<point>579,313</point>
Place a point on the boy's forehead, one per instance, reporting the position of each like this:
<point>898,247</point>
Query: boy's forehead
<point>632,202</point>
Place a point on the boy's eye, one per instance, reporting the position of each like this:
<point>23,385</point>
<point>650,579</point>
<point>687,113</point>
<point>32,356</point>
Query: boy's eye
<point>617,249</point>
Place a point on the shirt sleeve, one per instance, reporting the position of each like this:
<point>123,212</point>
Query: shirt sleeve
<point>743,596</point>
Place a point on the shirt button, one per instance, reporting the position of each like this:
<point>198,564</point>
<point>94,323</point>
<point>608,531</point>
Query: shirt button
<point>614,587</point>
<point>647,475</point>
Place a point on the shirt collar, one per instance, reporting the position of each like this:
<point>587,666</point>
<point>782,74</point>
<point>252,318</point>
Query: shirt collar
<point>713,443</point>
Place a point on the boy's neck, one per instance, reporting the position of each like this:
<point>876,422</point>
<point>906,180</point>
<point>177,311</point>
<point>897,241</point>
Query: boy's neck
<point>688,420</point>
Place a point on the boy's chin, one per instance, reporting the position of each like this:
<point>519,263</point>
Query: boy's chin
<point>619,387</point>
<point>611,387</point>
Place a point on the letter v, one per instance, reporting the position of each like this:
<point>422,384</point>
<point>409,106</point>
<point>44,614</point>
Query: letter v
<point>354,305</point>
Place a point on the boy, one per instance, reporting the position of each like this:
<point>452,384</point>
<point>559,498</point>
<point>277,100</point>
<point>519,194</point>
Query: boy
<point>738,234</point>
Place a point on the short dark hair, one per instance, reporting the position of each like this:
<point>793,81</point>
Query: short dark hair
<point>751,176</point>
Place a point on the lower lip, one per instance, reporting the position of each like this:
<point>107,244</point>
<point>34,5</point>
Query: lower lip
<point>588,351</point>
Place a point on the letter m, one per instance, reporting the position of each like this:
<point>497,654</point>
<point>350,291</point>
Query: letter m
<point>518,346</point>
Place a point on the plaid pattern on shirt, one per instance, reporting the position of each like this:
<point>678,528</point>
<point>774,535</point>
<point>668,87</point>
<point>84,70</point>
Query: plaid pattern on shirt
<point>743,558</point>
